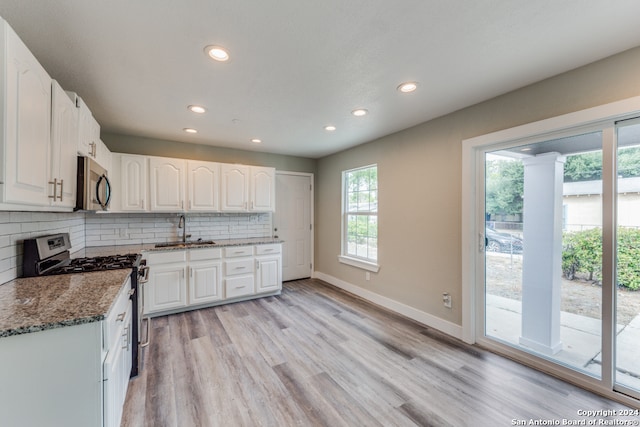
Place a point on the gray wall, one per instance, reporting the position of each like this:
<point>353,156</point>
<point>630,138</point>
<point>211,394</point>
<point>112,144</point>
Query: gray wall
<point>420,175</point>
<point>180,150</point>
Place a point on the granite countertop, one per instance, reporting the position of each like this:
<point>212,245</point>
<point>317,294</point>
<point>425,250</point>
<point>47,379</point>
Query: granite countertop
<point>218,243</point>
<point>34,304</point>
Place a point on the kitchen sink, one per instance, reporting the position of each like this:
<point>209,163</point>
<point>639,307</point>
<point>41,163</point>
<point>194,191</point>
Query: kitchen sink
<point>184,244</point>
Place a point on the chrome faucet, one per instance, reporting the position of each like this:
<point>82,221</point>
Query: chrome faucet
<point>182,223</point>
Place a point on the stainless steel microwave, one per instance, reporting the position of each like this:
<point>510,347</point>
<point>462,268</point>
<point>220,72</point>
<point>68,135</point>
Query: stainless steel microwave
<point>94,187</point>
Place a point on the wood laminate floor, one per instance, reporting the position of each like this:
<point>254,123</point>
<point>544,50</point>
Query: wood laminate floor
<point>317,356</point>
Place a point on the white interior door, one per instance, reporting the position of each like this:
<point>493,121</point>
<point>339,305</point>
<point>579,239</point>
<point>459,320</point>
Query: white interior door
<point>292,223</point>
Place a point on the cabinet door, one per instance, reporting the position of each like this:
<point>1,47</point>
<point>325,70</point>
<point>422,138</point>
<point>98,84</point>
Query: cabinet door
<point>133,188</point>
<point>166,288</point>
<point>268,274</point>
<point>204,185</point>
<point>64,143</point>
<point>205,284</point>
<point>103,155</point>
<point>87,126</point>
<point>234,188</point>
<point>166,184</point>
<point>27,104</point>
<point>263,190</point>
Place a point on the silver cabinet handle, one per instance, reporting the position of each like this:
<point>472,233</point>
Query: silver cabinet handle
<point>146,343</point>
<point>92,151</point>
<point>127,337</point>
<point>121,316</point>
<point>61,184</point>
<point>55,188</point>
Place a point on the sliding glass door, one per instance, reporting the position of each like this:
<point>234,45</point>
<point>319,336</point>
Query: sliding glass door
<point>627,311</point>
<point>561,229</point>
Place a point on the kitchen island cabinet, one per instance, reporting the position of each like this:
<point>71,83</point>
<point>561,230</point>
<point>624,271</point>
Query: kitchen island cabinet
<point>65,350</point>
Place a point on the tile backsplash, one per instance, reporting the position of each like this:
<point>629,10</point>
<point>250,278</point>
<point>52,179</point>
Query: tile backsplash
<point>88,229</point>
<point>140,228</point>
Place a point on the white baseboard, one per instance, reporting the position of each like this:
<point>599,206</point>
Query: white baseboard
<point>393,305</point>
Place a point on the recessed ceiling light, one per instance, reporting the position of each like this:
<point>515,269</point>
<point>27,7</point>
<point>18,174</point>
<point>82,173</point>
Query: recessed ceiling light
<point>217,52</point>
<point>408,87</point>
<point>190,130</point>
<point>329,128</point>
<point>197,109</point>
<point>256,141</point>
<point>525,149</point>
<point>359,112</point>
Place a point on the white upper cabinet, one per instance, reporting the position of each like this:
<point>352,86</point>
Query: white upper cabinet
<point>161,184</point>
<point>166,184</point>
<point>103,155</point>
<point>89,131</point>
<point>25,103</point>
<point>203,179</point>
<point>131,171</point>
<point>247,188</point>
<point>64,142</point>
<point>234,188</point>
<point>263,190</point>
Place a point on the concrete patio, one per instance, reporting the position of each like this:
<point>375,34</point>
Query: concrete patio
<point>580,335</point>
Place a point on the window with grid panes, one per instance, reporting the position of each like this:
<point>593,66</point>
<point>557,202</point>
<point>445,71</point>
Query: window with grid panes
<point>360,213</point>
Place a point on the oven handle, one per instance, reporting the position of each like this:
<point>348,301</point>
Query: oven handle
<point>146,343</point>
<point>144,274</point>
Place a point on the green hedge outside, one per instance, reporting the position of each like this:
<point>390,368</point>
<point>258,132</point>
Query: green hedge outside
<point>582,253</point>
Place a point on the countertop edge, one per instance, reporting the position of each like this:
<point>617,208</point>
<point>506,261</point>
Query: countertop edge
<point>53,325</point>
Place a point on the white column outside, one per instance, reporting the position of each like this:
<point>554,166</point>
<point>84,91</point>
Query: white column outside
<point>542,253</point>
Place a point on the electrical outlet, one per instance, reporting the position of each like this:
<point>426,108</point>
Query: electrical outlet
<point>367,275</point>
<point>446,299</point>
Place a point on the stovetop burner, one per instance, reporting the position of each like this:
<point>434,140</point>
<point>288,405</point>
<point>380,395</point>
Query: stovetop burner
<point>49,255</point>
<point>101,263</point>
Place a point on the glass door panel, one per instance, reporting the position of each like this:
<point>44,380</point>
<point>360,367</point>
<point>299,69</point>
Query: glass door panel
<point>543,257</point>
<point>627,318</point>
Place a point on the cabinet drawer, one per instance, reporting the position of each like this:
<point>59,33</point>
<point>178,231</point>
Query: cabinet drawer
<point>241,266</point>
<point>116,317</point>
<point>204,254</point>
<point>238,251</point>
<point>239,286</point>
<point>166,257</point>
<point>268,249</point>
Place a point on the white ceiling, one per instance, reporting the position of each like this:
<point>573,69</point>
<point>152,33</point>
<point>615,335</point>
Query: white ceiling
<point>299,65</point>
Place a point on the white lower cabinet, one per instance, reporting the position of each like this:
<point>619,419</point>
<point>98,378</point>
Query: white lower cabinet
<point>205,276</point>
<point>268,274</point>
<point>167,285</point>
<point>215,276</point>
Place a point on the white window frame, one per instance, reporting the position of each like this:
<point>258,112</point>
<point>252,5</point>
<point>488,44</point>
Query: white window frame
<point>346,258</point>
